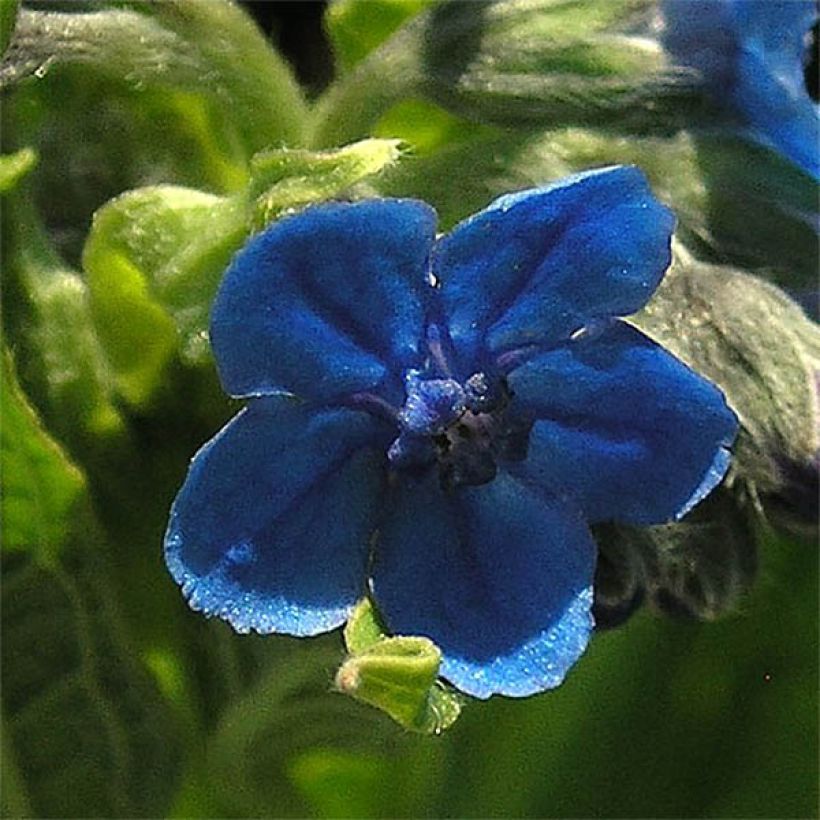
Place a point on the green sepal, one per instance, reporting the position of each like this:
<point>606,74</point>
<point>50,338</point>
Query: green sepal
<point>364,627</point>
<point>759,347</point>
<point>398,675</point>
<point>13,167</point>
<point>701,567</point>
<point>285,179</point>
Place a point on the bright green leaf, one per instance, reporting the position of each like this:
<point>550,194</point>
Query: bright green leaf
<point>140,246</point>
<point>286,179</point>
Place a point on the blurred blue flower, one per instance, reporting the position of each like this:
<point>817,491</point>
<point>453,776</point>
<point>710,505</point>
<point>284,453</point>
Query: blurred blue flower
<point>753,55</point>
<point>441,419</point>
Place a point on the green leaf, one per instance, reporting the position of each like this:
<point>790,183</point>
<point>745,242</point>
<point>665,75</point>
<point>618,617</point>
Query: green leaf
<point>759,347</point>
<point>357,27</point>
<point>85,731</point>
<point>208,47</point>
<point>89,732</point>
<point>760,210</point>
<point>255,756</point>
<point>155,256</point>
<point>40,485</point>
<point>13,167</point>
<point>427,127</point>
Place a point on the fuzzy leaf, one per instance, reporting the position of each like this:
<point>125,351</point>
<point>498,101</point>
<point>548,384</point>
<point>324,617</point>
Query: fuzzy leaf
<point>48,325</point>
<point>206,47</point>
<point>89,733</point>
<point>85,731</point>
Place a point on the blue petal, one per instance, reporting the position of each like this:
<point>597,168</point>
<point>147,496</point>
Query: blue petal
<point>498,576</point>
<point>271,528</point>
<point>622,427</point>
<point>327,302</point>
<point>751,55</point>
<point>536,265</point>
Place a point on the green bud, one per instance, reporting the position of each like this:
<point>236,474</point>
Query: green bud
<point>398,675</point>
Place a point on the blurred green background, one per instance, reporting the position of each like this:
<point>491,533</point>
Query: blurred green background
<point>117,700</point>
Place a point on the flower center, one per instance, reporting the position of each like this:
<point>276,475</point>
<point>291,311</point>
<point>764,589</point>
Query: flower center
<point>463,428</point>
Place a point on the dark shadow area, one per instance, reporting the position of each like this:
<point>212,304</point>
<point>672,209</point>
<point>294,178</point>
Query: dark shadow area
<point>295,28</point>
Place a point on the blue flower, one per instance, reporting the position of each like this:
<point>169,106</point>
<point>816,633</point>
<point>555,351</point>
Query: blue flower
<point>437,421</point>
<point>753,56</point>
